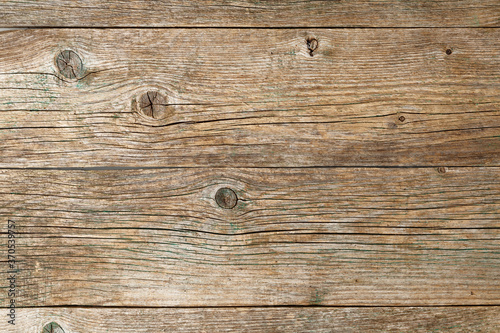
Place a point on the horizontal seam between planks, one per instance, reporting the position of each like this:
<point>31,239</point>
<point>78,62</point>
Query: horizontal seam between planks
<point>245,27</point>
<point>255,306</point>
<point>249,167</point>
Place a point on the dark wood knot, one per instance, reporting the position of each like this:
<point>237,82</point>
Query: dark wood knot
<point>70,65</point>
<point>226,198</point>
<point>154,105</point>
<point>442,170</point>
<point>312,45</point>
<point>52,328</point>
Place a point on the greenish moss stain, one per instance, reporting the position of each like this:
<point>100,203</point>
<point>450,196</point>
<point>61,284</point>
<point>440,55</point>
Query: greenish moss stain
<point>41,79</point>
<point>80,84</point>
<point>476,21</point>
<point>235,227</point>
<point>317,298</point>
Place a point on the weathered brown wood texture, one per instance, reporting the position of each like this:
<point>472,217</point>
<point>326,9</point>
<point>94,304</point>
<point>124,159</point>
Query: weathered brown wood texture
<point>356,143</point>
<point>257,320</point>
<point>250,13</point>
<point>296,237</point>
<point>239,98</point>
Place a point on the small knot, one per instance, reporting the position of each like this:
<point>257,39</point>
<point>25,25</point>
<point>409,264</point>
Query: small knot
<point>449,51</point>
<point>226,198</point>
<point>153,105</point>
<point>69,64</point>
<point>442,170</point>
<point>402,118</point>
<point>312,45</point>
<point>52,328</point>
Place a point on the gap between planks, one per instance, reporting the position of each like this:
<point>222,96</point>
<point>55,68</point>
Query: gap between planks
<point>241,28</point>
<point>245,167</point>
<point>264,306</point>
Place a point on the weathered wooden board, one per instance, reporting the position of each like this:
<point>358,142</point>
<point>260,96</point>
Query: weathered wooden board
<point>365,162</point>
<point>251,97</point>
<point>390,236</point>
<point>296,319</point>
<point>250,13</point>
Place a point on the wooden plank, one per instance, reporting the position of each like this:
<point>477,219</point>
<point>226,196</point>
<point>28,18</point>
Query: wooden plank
<point>347,237</point>
<point>250,13</point>
<point>246,98</point>
<point>309,319</point>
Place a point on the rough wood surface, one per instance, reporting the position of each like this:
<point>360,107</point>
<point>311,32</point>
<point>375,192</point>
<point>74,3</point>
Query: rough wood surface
<point>311,319</point>
<point>256,180</point>
<point>250,13</point>
<point>252,97</point>
<point>295,237</point>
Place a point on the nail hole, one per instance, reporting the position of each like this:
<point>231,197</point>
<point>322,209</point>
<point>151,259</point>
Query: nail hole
<point>69,64</point>
<point>226,198</point>
<point>312,45</point>
<point>402,118</point>
<point>449,51</point>
<point>52,328</point>
<point>442,170</point>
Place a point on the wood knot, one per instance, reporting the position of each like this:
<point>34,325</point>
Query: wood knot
<point>442,170</point>
<point>52,328</point>
<point>153,105</point>
<point>69,64</point>
<point>226,198</point>
<point>449,51</point>
<point>312,45</point>
<point>402,118</point>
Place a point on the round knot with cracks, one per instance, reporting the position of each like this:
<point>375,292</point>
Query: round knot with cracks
<point>226,198</point>
<point>69,64</point>
<point>154,105</point>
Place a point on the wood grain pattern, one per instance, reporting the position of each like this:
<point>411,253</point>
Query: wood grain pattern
<point>250,13</point>
<point>252,98</point>
<point>296,237</point>
<point>214,175</point>
<point>311,319</point>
